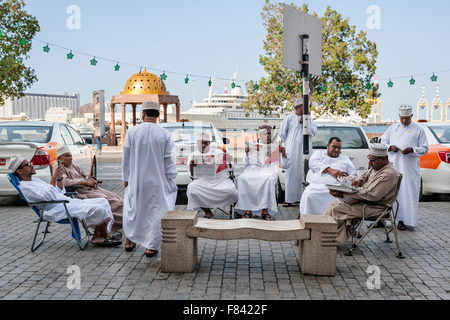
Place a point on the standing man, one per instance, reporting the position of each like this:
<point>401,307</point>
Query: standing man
<point>148,172</point>
<point>407,143</point>
<point>291,132</point>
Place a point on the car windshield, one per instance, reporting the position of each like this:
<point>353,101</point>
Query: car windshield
<point>25,134</point>
<point>352,138</point>
<point>442,133</point>
<point>188,134</point>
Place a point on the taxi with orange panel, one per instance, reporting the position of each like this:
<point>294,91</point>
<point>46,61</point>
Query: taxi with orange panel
<point>38,141</point>
<point>435,165</point>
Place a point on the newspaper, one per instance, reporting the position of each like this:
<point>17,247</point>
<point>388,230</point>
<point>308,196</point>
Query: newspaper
<point>208,165</point>
<point>263,154</point>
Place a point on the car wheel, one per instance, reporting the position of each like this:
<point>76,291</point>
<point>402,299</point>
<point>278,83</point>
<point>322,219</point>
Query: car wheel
<point>279,193</point>
<point>94,168</point>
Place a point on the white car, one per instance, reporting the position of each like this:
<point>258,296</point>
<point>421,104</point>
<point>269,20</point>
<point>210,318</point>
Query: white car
<point>355,145</point>
<point>185,137</point>
<point>38,141</point>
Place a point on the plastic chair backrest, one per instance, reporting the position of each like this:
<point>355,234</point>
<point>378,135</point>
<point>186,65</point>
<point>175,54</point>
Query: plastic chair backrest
<point>15,182</point>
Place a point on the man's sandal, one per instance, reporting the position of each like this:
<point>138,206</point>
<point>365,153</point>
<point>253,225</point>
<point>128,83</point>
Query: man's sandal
<point>248,214</point>
<point>268,217</point>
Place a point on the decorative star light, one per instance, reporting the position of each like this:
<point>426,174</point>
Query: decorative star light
<point>390,83</point>
<point>368,86</point>
<point>233,85</point>
<point>255,86</point>
<point>209,82</point>
<point>412,81</point>
<point>163,76</point>
<point>93,62</point>
<point>434,78</point>
<point>186,80</point>
<point>23,41</point>
<point>1,33</point>
<point>346,87</point>
<point>324,88</point>
<point>70,55</point>
<point>117,67</point>
<point>46,48</point>
<point>279,88</point>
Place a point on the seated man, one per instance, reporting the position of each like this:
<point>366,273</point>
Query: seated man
<point>75,175</point>
<point>96,212</point>
<point>325,167</point>
<point>378,184</point>
<point>256,185</point>
<point>213,192</point>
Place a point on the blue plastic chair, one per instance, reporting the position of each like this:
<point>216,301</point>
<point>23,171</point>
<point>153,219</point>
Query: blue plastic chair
<point>76,233</point>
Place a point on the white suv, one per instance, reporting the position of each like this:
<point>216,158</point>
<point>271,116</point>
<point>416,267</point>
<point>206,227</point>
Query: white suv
<point>355,145</point>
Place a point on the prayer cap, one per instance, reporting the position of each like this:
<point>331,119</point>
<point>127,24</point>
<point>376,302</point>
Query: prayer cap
<point>62,150</point>
<point>298,102</point>
<point>150,105</point>
<point>405,110</point>
<point>204,137</point>
<point>378,150</point>
<point>15,162</point>
<point>265,126</point>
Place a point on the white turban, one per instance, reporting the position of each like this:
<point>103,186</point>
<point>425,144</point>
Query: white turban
<point>15,162</point>
<point>298,102</point>
<point>150,105</point>
<point>204,137</point>
<point>405,110</point>
<point>378,150</point>
<point>62,150</point>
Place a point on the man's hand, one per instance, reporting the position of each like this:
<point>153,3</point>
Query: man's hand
<point>408,150</point>
<point>393,149</point>
<point>125,184</point>
<point>337,194</point>
<point>335,172</point>
<point>91,183</point>
<point>357,183</point>
<point>58,172</point>
<point>283,151</point>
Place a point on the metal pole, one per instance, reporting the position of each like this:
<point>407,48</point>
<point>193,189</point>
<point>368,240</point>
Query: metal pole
<point>305,80</point>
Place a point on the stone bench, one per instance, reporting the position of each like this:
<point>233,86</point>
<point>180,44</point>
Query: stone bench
<point>180,230</point>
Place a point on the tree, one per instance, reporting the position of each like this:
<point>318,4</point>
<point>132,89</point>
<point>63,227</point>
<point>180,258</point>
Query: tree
<point>17,29</point>
<point>348,66</point>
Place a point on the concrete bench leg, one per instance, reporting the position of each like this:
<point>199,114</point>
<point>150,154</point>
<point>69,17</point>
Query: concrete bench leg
<point>317,256</point>
<point>178,252</point>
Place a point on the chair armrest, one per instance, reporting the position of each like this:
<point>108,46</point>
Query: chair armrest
<point>69,194</point>
<point>32,204</point>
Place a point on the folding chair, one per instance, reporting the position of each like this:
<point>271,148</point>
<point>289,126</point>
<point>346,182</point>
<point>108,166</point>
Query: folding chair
<point>76,234</point>
<point>388,214</point>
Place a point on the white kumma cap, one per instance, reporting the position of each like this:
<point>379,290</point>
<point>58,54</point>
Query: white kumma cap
<point>15,162</point>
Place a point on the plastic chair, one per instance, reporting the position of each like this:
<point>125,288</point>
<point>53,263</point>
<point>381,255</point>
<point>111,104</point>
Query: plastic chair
<point>76,233</point>
<point>388,214</point>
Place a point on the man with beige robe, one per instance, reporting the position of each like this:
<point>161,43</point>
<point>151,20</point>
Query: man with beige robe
<point>378,184</point>
<point>75,175</point>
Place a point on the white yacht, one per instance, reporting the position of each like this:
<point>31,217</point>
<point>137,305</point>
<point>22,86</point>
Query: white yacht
<point>225,111</point>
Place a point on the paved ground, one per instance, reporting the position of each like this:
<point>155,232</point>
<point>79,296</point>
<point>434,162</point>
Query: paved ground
<point>227,270</point>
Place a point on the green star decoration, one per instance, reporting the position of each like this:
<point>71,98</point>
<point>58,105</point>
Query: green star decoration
<point>23,41</point>
<point>368,86</point>
<point>233,85</point>
<point>46,48</point>
<point>117,67</point>
<point>163,76</point>
<point>279,88</point>
<point>412,81</point>
<point>346,87</point>
<point>255,86</point>
<point>93,62</point>
<point>70,55</point>
<point>434,78</point>
<point>324,88</point>
<point>209,82</point>
<point>186,80</point>
<point>1,33</point>
<point>390,83</point>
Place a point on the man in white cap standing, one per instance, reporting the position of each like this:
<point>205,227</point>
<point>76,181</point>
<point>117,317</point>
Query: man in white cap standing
<point>216,190</point>
<point>407,142</point>
<point>148,172</point>
<point>378,184</point>
<point>291,133</point>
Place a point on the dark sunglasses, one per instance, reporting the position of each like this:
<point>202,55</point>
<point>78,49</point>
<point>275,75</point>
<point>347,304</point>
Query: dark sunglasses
<point>335,147</point>
<point>27,164</point>
<point>373,160</point>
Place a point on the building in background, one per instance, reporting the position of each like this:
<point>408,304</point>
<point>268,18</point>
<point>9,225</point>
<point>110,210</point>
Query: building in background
<point>35,105</point>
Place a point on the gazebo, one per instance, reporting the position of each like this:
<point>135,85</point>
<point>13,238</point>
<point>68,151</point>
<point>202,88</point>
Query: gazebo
<point>141,86</point>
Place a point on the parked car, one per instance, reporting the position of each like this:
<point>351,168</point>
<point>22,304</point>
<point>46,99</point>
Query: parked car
<point>355,145</point>
<point>185,137</point>
<point>38,141</point>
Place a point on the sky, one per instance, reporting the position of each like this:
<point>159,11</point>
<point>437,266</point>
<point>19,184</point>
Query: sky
<point>203,38</point>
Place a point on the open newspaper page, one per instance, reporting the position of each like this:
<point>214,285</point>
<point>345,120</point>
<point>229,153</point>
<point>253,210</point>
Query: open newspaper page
<point>263,154</point>
<point>210,164</point>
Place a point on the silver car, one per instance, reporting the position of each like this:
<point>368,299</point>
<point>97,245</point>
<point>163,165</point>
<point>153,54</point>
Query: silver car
<point>38,141</point>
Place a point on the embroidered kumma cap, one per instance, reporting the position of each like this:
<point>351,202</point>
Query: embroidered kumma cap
<point>62,150</point>
<point>15,162</point>
<point>298,102</point>
<point>204,137</point>
<point>150,105</point>
<point>378,150</point>
<point>405,110</point>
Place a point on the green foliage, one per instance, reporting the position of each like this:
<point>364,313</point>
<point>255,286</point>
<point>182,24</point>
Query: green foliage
<point>17,30</point>
<point>348,65</point>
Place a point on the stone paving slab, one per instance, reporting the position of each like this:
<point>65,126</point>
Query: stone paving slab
<point>227,270</point>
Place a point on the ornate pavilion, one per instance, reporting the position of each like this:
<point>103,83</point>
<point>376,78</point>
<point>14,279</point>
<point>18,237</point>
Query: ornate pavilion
<point>142,86</point>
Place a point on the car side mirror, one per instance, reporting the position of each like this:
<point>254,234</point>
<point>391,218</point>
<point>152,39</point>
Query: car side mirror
<point>226,140</point>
